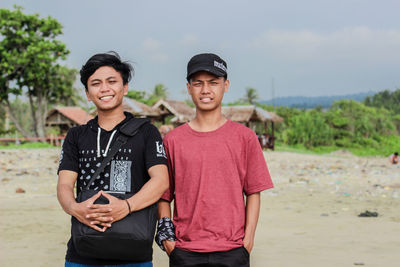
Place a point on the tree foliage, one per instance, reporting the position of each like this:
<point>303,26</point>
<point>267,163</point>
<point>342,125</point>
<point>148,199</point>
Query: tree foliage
<point>347,123</point>
<point>309,129</point>
<point>159,92</point>
<point>385,99</point>
<point>29,63</point>
<point>251,96</point>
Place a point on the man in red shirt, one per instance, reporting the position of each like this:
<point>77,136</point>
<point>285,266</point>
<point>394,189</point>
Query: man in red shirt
<point>213,164</point>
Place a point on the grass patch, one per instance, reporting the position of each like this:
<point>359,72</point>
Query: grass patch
<point>386,146</point>
<point>27,145</point>
<point>304,150</point>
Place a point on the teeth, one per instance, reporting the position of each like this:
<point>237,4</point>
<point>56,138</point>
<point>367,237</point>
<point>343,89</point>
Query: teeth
<point>106,97</point>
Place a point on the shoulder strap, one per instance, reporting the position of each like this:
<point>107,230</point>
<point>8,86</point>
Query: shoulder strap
<point>128,130</point>
<point>131,127</point>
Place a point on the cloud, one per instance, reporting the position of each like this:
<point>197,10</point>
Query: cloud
<point>154,48</point>
<point>151,44</point>
<point>190,39</point>
<point>350,44</point>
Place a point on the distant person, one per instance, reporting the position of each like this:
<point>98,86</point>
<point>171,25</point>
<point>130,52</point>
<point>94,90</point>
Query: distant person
<point>217,171</point>
<point>140,158</point>
<point>164,129</point>
<point>394,158</point>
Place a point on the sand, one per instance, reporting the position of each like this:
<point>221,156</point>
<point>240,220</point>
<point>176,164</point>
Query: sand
<point>308,219</point>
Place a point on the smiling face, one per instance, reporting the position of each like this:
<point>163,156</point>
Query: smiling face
<point>207,90</point>
<point>106,88</point>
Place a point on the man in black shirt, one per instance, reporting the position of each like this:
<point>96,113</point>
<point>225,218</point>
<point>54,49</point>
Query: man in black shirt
<point>106,79</point>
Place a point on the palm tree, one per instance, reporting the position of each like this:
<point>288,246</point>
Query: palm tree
<point>160,91</point>
<point>251,96</point>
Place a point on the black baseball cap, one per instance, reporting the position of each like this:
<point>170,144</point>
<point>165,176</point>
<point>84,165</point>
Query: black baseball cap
<point>207,62</point>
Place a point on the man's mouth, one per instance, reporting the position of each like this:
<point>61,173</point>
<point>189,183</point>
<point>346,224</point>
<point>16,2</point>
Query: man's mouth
<point>106,98</point>
<point>206,99</point>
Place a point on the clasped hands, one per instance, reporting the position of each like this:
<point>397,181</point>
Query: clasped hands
<point>100,216</point>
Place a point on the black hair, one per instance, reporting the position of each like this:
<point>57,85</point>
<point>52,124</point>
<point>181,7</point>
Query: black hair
<point>396,153</point>
<point>110,59</point>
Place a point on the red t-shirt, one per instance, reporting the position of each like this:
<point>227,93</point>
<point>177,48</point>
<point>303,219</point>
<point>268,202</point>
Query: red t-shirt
<point>209,172</point>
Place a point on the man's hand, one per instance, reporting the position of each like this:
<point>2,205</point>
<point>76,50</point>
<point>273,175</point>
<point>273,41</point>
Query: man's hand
<point>248,244</point>
<point>82,211</point>
<point>107,214</point>
<point>169,246</point>
<point>252,212</point>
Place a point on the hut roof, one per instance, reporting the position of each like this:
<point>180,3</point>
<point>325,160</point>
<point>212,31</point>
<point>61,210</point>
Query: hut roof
<point>249,113</point>
<point>179,109</point>
<point>75,114</point>
<point>138,108</point>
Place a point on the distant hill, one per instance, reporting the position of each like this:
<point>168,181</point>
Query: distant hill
<point>312,102</point>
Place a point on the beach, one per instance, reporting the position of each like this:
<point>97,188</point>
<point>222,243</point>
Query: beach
<point>310,218</point>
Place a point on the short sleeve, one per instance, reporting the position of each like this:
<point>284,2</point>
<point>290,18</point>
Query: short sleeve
<point>169,194</point>
<point>69,155</point>
<point>154,148</point>
<point>257,177</point>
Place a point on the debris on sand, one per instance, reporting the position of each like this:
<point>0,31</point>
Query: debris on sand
<point>5,180</point>
<point>368,213</point>
<point>19,190</point>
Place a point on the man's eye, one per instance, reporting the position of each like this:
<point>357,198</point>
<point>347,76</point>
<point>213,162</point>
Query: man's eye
<point>112,81</point>
<point>95,84</point>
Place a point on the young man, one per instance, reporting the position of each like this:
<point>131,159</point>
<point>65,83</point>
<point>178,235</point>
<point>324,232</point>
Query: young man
<point>106,79</point>
<point>213,163</point>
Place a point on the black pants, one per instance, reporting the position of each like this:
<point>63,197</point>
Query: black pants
<point>238,257</point>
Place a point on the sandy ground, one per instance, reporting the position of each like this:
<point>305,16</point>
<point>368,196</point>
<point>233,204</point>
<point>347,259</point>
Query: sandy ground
<point>308,219</point>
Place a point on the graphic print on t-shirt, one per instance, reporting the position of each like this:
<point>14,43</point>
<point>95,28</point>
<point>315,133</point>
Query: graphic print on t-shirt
<point>115,177</point>
<point>120,178</point>
<point>160,150</point>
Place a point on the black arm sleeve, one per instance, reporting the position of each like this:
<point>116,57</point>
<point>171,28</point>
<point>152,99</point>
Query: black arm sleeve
<point>154,151</point>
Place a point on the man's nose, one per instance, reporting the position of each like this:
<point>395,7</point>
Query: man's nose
<point>104,87</point>
<point>205,89</point>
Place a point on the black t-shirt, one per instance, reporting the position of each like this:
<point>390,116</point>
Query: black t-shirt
<point>83,151</point>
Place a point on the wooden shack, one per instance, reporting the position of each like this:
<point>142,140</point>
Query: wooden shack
<point>139,109</point>
<point>180,111</point>
<point>251,115</point>
<point>67,117</point>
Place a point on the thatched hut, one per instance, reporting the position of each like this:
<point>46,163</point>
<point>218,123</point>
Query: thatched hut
<point>180,110</point>
<point>250,115</point>
<point>140,109</point>
<point>67,117</point>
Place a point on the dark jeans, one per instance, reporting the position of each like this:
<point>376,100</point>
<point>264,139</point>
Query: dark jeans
<point>238,257</point>
<point>143,264</point>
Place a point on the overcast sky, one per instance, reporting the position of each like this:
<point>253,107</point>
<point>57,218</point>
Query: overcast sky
<point>308,47</point>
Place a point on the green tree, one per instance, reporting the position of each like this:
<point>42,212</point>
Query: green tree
<point>159,92</point>
<point>29,63</point>
<point>356,123</point>
<point>385,99</point>
<point>309,128</point>
<point>137,95</point>
<point>251,96</point>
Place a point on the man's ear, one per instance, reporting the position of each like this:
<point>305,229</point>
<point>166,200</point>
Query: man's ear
<point>226,82</point>
<point>189,90</point>
<point>87,95</point>
<point>126,88</point>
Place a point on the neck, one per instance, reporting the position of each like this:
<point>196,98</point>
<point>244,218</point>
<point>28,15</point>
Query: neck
<point>207,121</point>
<point>108,119</point>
